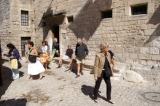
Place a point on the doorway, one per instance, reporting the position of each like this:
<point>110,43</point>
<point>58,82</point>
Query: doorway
<point>23,40</point>
<point>56,35</point>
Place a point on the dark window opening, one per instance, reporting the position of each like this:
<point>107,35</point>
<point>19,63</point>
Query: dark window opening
<point>24,18</point>
<point>106,14</point>
<point>139,9</point>
<point>70,19</point>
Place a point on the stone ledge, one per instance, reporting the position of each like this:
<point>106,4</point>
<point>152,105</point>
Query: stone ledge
<point>89,64</point>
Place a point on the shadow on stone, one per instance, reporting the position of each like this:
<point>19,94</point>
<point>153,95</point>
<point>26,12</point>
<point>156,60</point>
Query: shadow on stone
<point>154,20</point>
<point>14,102</point>
<point>88,91</point>
<point>89,18</point>
<point>7,79</point>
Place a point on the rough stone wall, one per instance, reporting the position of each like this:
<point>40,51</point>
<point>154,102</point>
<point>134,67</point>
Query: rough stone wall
<point>134,39</point>
<point>4,19</point>
<point>14,30</point>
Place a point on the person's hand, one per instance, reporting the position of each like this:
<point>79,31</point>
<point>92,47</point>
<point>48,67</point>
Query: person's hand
<point>11,57</point>
<point>95,78</point>
<point>112,75</point>
<point>113,68</point>
<point>86,57</point>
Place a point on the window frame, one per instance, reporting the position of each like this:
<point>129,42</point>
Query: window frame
<point>68,19</point>
<point>104,16</point>
<point>24,18</point>
<point>140,6</point>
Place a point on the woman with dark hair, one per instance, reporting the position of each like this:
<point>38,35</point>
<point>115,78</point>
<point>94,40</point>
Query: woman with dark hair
<point>34,68</point>
<point>13,54</point>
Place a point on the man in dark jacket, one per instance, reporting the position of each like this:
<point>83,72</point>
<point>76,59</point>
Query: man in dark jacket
<point>81,53</point>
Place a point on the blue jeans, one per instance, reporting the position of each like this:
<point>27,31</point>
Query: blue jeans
<point>15,73</point>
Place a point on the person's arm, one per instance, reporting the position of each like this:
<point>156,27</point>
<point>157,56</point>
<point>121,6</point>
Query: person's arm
<point>76,51</point>
<point>35,52</point>
<point>16,54</point>
<point>87,51</point>
<point>95,69</point>
<point>112,59</point>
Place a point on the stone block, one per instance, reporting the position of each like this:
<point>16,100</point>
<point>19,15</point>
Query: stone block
<point>156,57</point>
<point>129,60</point>
<point>154,50</point>
<point>144,50</point>
<point>133,55</point>
<point>150,32</point>
<point>132,76</point>
<point>120,66</point>
<point>151,7</point>
<point>144,56</point>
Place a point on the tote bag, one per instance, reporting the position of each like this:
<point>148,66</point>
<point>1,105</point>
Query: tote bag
<point>14,64</point>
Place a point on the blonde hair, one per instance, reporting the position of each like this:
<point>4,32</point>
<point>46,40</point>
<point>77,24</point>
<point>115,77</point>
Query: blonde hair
<point>103,46</point>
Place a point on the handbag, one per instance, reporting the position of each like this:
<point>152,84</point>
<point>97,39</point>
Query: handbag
<point>14,64</point>
<point>32,59</point>
<point>19,64</point>
<point>108,72</point>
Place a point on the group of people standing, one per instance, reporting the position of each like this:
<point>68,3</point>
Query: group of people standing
<point>102,66</point>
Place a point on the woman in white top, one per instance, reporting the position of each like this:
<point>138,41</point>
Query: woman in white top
<point>44,57</point>
<point>44,47</point>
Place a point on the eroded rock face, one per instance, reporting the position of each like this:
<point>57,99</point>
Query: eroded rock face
<point>132,76</point>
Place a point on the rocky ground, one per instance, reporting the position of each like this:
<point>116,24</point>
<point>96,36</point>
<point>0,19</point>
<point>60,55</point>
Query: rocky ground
<point>60,88</point>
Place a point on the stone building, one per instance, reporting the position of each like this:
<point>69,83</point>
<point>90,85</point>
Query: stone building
<point>130,27</point>
<point>16,22</point>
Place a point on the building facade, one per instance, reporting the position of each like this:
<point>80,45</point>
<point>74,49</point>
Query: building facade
<point>130,27</point>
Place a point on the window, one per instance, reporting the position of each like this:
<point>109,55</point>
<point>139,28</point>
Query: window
<point>139,9</point>
<point>70,19</point>
<point>106,14</point>
<point>24,18</point>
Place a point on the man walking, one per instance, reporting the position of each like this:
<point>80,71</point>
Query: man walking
<point>81,53</point>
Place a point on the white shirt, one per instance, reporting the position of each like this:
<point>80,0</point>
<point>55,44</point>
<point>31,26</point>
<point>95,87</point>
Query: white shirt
<point>44,49</point>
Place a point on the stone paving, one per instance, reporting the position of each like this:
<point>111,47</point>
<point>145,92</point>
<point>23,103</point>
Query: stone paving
<point>60,88</point>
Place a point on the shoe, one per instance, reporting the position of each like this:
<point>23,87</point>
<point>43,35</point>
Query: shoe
<point>77,76</point>
<point>82,73</point>
<point>59,66</point>
<point>111,102</point>
<point>48,68</point>
<point>41,77</point>
<point>95,100</point>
